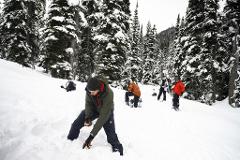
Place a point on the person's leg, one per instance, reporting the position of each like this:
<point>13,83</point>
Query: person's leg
<point>127,97</point>
<point>175,101</point>
<point>164,95</point>
<point>160,93</point>
<point>77,125</point>
<point>136,100</point>
<point>112,138</point>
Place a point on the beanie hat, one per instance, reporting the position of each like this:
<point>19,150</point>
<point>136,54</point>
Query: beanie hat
<point>93,84</point>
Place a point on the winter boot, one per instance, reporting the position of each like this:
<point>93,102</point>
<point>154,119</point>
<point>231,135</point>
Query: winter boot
<point>73,133</point>
<point>118,148</point>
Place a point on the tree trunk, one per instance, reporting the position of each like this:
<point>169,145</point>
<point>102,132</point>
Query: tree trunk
<point>233,74</point>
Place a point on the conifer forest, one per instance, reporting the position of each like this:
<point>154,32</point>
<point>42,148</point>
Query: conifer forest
<point>75,41</point>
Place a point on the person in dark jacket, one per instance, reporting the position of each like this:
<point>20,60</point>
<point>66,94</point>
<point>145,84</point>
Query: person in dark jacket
<point>178,89</point>
<point>163,89</point>
<point>98,104</point>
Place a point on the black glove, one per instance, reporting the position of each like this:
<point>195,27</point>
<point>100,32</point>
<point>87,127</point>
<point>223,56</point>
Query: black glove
<point>88,141</point>
<point>88,122</point>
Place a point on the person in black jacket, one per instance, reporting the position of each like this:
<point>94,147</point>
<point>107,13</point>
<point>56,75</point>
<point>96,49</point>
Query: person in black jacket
<point>98,104</point>
<point>163,89</point>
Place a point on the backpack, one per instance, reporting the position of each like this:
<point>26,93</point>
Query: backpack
<point>70,86</point>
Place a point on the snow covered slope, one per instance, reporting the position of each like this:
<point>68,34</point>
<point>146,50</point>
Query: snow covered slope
<point>36,114</point>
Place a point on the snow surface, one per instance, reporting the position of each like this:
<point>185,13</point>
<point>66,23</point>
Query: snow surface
<point>36,115</point>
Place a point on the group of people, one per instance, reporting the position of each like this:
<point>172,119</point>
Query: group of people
<point>99,105</point>
<point>177,89</point>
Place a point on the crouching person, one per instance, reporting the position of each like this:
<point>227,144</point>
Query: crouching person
<point>98,104</point>
<point>133,90</point>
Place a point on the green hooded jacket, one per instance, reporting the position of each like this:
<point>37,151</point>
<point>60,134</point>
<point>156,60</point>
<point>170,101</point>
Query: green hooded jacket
<point>101,104</point>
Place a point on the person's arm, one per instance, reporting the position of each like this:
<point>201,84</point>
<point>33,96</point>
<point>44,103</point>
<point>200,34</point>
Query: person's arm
<point>130,87</point>
<point>88,107</point>
<point>104,114</point>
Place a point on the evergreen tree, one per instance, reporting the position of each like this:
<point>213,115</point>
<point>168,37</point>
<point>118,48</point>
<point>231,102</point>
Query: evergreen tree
<point>1,37</point>
<point>36,10</point>
<point>222,58</point>
<point>133,59</point>
<point>232,12</point>
<point>148,55</point>
<point>86,57</point>
<point>19,30</point>
<point>76,63</point>
<point>141,53</point>
<point>174,59</point>
<point>59,36</point>
<point>157,59</point>
<point>209,67</point>
<point>111,36</point>
<point>190,53</point>
<point>177,27</point>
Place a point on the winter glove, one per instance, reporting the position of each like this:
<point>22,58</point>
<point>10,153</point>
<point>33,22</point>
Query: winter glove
<point>88,122</point>
<point>88,141</point>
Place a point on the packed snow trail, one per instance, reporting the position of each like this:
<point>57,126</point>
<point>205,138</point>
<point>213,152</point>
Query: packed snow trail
<point>36,115</point>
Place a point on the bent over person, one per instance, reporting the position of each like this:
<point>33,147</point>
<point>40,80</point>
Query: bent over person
<point>98,104</point>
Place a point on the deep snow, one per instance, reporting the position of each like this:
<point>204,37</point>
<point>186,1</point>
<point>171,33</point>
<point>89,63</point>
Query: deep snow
<point>36,115</point>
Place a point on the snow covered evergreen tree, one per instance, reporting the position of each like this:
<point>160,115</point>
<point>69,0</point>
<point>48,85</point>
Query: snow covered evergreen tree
<point>133,59</point>
<point>148,56</point>
<point>86,57</point>
<point>190,53</point>
<point>208,66</point>
<point>19,29</point>
<point>59,36</point>
<point>177,27</point>
<point>36,10</point>
<point>141,52</point>
<point>173,59</point>
<point>201,55</point>
<point>158,59</point>
<point>1,20</point>
<point>77,71</point>
<point>232,12</point>
<point>112,39</point>
<point>222,58</point>
<point>213,58</point>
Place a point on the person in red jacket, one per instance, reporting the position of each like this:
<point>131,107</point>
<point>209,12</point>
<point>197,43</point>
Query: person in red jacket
<point>178,90</point>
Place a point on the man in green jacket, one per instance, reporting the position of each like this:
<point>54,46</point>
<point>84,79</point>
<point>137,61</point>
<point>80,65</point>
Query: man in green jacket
<point>98,104</point>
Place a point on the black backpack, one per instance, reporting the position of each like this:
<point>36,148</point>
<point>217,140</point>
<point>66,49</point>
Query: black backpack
<point>70,86</point>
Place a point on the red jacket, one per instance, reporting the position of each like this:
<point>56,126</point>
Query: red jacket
<point>179,88</point>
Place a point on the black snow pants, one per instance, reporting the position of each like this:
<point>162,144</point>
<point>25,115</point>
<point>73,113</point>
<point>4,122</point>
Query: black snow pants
<point>175,101</point>
<point>135,99</point>
<point>109,128</point>
<point>162,91</point>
